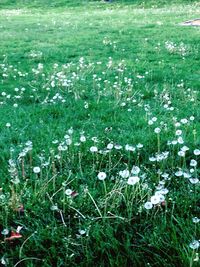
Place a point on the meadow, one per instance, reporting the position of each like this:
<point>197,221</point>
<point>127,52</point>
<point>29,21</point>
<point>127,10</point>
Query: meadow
<point>99,133</point>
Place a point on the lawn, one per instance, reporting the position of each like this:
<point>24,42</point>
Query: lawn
<point>100,133</point>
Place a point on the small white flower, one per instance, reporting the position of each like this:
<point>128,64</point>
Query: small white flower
<point>101,176</point>
<point>197,152</point>
<point>118,147</point>
<point>179,173</point>
<point>110,146</point>
<point>150,122</point>
<point>124,173</point>
<point>180,140</point>
<point>178,132</point>
<point>155,200</point>
<point>154,119</point>
<point>129,148</point>
<point>157,130</point>
<point>184,121</point>
<point>181,153</point>
<point>133,180</point>
<point>184,148</point>
<point>192,118</point>
<point>140,146</point>
<point>135,170</point>
<point>36,170</point>
<point>195,220</point>
<point>82,138</point>
<point>193,163</point>
<point>194,180</point>
<point>5,232</point>
<point>93,149</point>
<point>148,205</point>
<point>81,232</point>
<point>8,125</point>
<point>68,192</point>
<point>194,244</point>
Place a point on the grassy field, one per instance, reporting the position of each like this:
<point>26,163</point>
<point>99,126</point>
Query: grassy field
<point>100,133</point>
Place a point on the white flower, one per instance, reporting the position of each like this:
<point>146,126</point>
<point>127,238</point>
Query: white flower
<point>181,153</point>
<point>110,146</point>
<point>154,119</point>
<point>133,180</point>
<point>197,152</point>
<point>194,244</point>
<point>68,192</point>
<point>178,132</point>
<point>155,200</point>
<point>101,176</point>
<point>148,205</point>
<point>192,118</point>
<point>129,148</point>
<point>194,180</point>
<point>184,148</point>
<point>195,220</point>
<point>157,130</point>
<point>124,173</point>
<point>118,147</point>
<point>82,138</point>
<point>36,169</point>
<point>179,173</point>
<point>193,163</point>
<point>135,170</point>
<point>5,232</point>
<point>8,124</point>
<point>184,121</point>
<point>81,232</point>
<point>93,149</point>
<point>180,140</point>
<point>139,146</point>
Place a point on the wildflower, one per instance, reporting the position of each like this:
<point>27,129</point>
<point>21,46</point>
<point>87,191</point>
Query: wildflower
<point>124,173</point>
<point>180,140</point>
<point>194,180</point>
<point>148,205</point>
<point>101,176</point>
<point>184,148</point>
<point>118,147</point>
<point>110,146</point>
<point>179,173</point>
<point>184,121</point>
<point>5,232</point>
<point>181,153</point>
<point>36,170</point>
<point>81,232</point>
<point>93,149</point>
<point>135,170</point>
<point>195,220</point>
<point>197,152</point>
<point>193,163</point>
<point>54,207</point>
<point>129,148</point>
<point>178,132</point>
<point>68,192</point>
<point>194,244</point>
<point>133,180</point>
<point>157,130</point>
<point>155,200</point>
<point>8,125</point>
<point>192,118</point>
<point>82,138</point>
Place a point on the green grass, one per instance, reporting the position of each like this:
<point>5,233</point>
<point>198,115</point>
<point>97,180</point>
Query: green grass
<point>81,74</point>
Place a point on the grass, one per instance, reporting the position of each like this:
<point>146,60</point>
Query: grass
<point>93,90</point>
